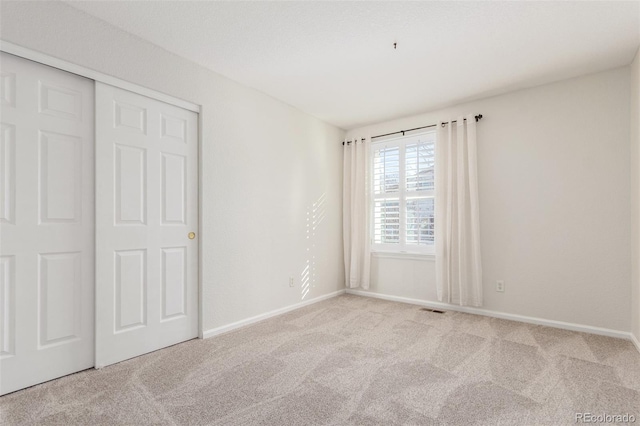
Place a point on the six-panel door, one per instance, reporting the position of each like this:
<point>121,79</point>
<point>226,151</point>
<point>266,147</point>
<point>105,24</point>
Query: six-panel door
<point>46,223</point>
<point>147,266</point>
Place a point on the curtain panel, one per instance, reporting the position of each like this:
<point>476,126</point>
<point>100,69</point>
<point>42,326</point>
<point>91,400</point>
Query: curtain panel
<point>356,215</point>
<point>457,216</point>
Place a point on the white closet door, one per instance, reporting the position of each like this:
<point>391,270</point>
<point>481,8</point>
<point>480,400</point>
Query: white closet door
<point>46,223</point>
<point>146,262</point>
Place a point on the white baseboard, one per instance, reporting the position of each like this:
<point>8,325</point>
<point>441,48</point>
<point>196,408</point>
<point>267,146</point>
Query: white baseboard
<point>635,341</point>
<point>435,305</point>
<point>242,323</point>
<point>502,315</point>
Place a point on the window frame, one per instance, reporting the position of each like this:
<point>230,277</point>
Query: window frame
<point>401,248</point>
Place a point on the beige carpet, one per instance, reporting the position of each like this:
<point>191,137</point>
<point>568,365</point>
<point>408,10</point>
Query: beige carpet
<point>352,360</point>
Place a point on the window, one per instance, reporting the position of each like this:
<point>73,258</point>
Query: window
<point>403,194</point>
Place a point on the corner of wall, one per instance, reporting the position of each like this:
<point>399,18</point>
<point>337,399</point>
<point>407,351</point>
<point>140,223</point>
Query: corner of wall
<point>634,135</point>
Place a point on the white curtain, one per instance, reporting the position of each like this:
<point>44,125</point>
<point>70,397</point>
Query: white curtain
<point>458,262</point>
<point>355,213</point>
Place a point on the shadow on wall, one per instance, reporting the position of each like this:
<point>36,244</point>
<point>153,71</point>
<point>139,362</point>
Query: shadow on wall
<point>315,215</point>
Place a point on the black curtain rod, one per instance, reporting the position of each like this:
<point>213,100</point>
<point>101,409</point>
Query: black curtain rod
<point>477,117</point>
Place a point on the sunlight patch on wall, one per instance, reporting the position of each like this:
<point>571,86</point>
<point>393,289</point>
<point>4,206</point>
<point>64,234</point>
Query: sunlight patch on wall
<point>316,213</point>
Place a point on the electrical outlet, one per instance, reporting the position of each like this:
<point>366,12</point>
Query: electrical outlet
<point>291,282</point>
<point>500,286</point>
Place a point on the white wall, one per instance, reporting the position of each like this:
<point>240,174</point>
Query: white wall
<point>635,195</point>
<point>554,202</point>
<point>265,164</point>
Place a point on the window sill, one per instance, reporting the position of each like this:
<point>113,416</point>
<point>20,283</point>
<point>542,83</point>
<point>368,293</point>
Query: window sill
<point>404,256</point>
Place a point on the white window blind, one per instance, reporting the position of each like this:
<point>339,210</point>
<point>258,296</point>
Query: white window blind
<point>403,193</point>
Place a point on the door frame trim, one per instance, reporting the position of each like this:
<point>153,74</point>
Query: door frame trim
<point>61,64</point>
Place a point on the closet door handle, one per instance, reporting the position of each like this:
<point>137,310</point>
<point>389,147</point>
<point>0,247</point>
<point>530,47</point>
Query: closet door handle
<point>192,235</point>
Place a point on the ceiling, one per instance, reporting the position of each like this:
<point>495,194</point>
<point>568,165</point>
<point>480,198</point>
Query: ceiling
<point>336,61</point>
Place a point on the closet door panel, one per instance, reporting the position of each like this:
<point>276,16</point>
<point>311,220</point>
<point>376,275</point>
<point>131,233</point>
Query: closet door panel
<point>147,265</point>
<point>46,223</point>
